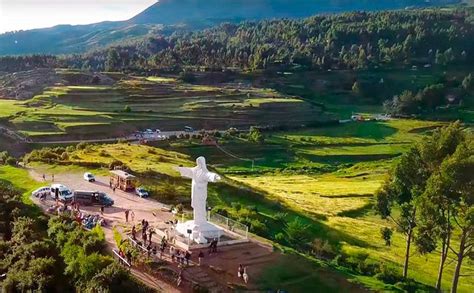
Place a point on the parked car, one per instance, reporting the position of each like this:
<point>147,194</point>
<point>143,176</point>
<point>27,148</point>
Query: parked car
<point>89,177</point>
<point>62,192</point>
<point>141,192</point>
<point>41,192</point>
<point>92,198</point>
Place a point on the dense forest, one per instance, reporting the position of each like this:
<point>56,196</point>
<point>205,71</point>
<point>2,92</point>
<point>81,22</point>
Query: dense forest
<point>346,41</point>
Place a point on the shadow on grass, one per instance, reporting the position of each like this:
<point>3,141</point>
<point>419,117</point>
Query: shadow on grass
<point>357,213</point>
<point>228,193</point>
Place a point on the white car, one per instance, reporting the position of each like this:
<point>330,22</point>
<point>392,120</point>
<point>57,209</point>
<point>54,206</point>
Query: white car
<point>41,192</point>
<point>89,177</point>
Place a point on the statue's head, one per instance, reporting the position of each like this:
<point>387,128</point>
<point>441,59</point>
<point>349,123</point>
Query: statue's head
<point>201,162</point>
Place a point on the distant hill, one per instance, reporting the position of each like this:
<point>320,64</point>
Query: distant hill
<point>190,14</point>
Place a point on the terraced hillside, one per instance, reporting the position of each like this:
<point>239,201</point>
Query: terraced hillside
<point>102,111</point>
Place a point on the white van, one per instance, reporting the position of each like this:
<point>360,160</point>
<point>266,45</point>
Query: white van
<point>42,191</point>
<point>64,193</point>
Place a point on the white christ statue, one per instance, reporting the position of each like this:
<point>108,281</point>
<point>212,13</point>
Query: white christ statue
<point>200,176</point>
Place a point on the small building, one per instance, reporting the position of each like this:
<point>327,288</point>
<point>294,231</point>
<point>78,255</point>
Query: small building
<point>122,180</point>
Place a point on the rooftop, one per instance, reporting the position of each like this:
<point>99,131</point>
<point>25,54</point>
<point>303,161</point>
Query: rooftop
<point>122,174</point>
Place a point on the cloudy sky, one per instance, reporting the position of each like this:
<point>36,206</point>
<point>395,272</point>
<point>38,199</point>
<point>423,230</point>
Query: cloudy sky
<point>28,14</point>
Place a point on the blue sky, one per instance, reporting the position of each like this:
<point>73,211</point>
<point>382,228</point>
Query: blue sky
<point>28,14</point>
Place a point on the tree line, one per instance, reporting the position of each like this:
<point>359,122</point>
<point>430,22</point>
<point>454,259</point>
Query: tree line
<point>430,97</point>
<point>344,41</point>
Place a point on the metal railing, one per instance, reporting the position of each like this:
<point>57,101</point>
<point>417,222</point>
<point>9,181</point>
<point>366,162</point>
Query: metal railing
<point>229,224</point>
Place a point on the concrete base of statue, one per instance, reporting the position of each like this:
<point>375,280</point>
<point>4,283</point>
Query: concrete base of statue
<point>200,234</point>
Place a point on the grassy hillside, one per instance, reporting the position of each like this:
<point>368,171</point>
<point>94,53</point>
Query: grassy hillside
<point>329,175</point>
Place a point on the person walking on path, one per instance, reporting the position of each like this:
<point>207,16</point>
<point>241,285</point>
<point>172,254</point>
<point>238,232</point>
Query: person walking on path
<point>187,256</point>
<point>132,214</point>
<point>150,235</point>
<point>113,189</point>
<point>245,275</point>
<point>102,208</point>
<point>126,215</point>
<point>200,257</point>
<point>180,278</point>
<point>240,271</point>
<point>134,232</point>
<point>52,177</point>
<point>44,177</point>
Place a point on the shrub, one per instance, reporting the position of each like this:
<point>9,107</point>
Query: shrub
<point>298,233</point>
<point>221,211</point>
<point>70,149</point>
<point>64,156</point>
<point>115,163</point>
<point>280,217</point>
<point>3,157</point>
<point>11,161</point>
<point>386,235</point>
<point>322,248</point>
<point>388,274</point>
<point>81,145</point>
<point>258,227</point>
<point>236,206</point>
<point>280,238</point>
<point>127,109</point>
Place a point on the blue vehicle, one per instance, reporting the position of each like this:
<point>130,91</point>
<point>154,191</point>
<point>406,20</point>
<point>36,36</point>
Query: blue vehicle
<point>141,192</point>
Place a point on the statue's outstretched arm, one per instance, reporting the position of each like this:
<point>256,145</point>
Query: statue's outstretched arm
<point>213,177</point>
<point>185,172</point>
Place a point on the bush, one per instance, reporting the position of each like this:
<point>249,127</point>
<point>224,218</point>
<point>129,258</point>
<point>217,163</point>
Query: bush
<point>280,238</point>
<point>280,217</point>
<point>258,227</point>
<point>386,235</point>
<point>81,145</point>
<point>322,248</point>
<point>70,148</point>
<point>388,274</point>
<point>127,109</point>
<point>115,163</point>
<point>3,157</point>
<point>298,233</point>
<point>64,156</point>
<point>11,161</point>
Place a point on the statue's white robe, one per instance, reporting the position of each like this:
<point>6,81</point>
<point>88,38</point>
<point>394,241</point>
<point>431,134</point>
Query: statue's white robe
<point>200,177</point>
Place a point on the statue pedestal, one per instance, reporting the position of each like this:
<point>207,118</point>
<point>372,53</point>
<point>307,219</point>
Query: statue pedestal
<point>199,233</point>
